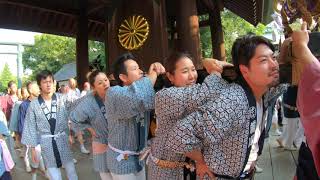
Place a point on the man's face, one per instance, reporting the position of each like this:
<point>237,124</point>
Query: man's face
<point>134,73</point>
<point>263,70</point>
<point>46,85</point>
<point>13,89</point>
<point>34,89</point>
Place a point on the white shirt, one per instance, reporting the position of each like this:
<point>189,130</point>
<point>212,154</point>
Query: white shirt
<point>48,104</point>
<point>83,93</point>
<point>75,92</point>
<point>254,144</point>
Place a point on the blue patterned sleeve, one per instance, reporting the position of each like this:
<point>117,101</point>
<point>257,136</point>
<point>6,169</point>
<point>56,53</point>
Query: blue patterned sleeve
<point>129,101</point>
<point>208,124</point>
<point>29,133</point>
<point>184,100</point>
<point>80,115</point>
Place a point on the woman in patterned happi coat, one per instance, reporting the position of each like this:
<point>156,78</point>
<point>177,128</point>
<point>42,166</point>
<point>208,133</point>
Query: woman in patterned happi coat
<point>172,104</point>
<point>89,112</point>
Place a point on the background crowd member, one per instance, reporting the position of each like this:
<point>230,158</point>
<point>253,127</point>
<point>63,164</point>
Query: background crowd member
<point>293,133</point>
<point>7,103</point>
<point>86,89</point>
<point>6,162</point>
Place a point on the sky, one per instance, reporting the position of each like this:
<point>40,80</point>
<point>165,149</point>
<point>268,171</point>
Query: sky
<point>7,51</point>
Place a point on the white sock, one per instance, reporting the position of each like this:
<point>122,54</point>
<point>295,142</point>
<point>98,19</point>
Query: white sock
<point>34,176</point>
<point>82,146</point>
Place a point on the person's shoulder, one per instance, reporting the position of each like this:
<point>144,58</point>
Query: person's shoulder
<point>18,103</point>
<point>25,102</point>
<point>173,89</point>
<point>234,93</point>
<point>88,97</point>
<point>34,103</point>
<point>117,90</point>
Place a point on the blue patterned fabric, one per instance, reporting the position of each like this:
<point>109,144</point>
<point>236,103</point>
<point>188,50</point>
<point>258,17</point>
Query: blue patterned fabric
<point>126,109</point>
<point>36,124</point>
<point>22,114</point>
<point>222,128</point>
<point>13,125</point>
<point>87,113</point>
<point>172,104</point>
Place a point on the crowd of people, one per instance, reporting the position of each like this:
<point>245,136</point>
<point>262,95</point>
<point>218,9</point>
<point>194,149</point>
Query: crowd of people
<point>207,128</point>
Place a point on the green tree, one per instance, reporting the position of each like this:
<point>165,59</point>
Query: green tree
<point>49,52</point>
<point>52,52</point>
<point>97,48</point>
<point>5,77</point>
<point>233,27</point>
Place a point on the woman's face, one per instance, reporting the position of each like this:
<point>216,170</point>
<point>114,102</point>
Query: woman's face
<point>185,74</point>
<point>101,83</point>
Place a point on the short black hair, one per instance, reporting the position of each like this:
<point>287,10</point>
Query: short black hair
<point>92,76</point>
<point>171,61</point>
<point>244,49</point>
<point>43,75</point>
<point>119,67</point>
<point>28,84</point>
<point>10,83</point>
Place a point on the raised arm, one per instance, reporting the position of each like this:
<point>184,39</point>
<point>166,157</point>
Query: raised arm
<point>308,92</point>
<point>129,101</point>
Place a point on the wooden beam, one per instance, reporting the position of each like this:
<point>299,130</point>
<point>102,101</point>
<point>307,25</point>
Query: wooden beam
<point>94,9</point>
<point>66,13</point>
<point>37,6</point>
<point>82,60</point>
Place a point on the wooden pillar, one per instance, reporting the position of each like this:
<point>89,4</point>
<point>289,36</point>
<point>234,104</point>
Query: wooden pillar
<point>188,29</point>
<point>82,60</point>
<point>218,49</point>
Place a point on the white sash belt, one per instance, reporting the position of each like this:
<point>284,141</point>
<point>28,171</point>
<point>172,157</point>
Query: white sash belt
<point>54,136</point>
<point>123,155</point>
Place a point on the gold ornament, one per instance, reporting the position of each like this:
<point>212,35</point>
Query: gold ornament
<point>133,32</point>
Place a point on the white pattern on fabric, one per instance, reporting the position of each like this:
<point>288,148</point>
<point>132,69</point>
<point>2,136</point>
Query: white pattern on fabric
<point>124,105</point>
<point>86,113</point>
<point>36,124</point>
<point>172,104</point>
<point>221,129</point>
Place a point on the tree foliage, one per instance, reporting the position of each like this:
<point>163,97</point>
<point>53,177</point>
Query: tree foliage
<point>52,52</point>
<point>5,77</point>
<point>233,27</point>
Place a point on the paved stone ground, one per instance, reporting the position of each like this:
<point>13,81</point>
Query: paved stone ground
<point>83,166</point>
<point>277,164</point>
